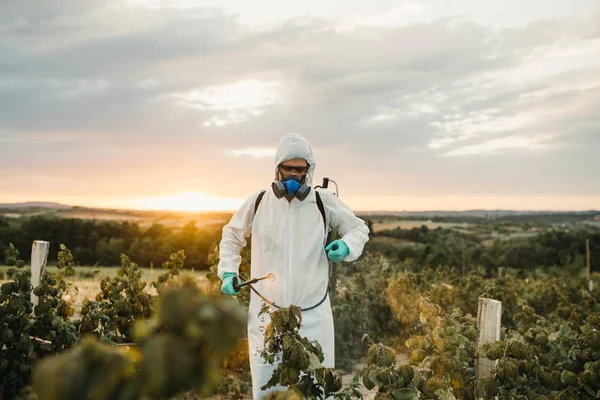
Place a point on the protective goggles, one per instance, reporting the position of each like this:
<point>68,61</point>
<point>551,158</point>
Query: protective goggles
<point>286,169</point>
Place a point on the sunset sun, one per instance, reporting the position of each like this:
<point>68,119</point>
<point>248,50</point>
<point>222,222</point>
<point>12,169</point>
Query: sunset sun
<point>188,201</point>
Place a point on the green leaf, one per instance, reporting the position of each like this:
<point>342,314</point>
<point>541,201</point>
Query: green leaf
<point>315,347</point>
<point>444,395</point>
<point>492,350</point>
<point>406,373</point>
<point>288,375</point>
<point>380,355</point>
<point>295,317</point>
<point>589,378</point>
<point>365,376</point>
<point>471,333</point>
<point>288,342</point>
<point>296,357</point>
<point>405,394</point>
<point>373,378</point>
<point>517,349</point>
<point>487,388</point>
<point>26,347</point>
<point>588,389</point>
<point>273,381</point>
<point>314,362</point>
<point>7,288</point>
<point>284,319</point>
<point>330,379</point>
<point>507,368</point>
<point>568,378</point>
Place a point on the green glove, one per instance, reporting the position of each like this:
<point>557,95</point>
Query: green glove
<point>227,285</point>
<point>337,250</point>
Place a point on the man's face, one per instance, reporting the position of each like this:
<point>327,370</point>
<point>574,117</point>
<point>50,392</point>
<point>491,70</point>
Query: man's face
<point>296,166</point>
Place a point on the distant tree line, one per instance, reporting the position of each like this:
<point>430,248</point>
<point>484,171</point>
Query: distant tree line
<point>95,242</point>
<point>497,219</point>
<point>435,247</point>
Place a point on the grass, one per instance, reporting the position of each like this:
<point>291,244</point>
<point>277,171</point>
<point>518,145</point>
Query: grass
<point>397,241</point>
<point>484,231</point>
<point>172,219</point>
<point>521,235</point>
<point>382,224</point>
<point>87,272</point>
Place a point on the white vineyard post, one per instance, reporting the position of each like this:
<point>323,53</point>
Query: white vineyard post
<point>489,313</point>
<point>39,258</point>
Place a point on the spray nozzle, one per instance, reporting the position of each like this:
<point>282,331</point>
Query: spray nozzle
<point>237,286</point>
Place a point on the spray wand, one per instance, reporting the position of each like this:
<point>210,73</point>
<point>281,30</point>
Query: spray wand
<point>237,285</point>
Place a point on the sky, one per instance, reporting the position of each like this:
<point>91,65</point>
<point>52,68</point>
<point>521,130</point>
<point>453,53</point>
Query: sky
<point>408,105</point>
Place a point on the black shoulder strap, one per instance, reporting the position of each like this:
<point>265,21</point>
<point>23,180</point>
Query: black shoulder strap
<point>258,199</point>
<point>319,204</point>
<point>322,209</point>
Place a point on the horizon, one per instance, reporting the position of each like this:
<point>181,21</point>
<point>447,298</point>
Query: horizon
<point>51,204</point>
<point>418,106</point>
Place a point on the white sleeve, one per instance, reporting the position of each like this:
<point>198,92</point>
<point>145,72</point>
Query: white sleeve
<point>234,237</point>
<point>354,230</point>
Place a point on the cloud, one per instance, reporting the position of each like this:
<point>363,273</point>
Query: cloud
<point>418,87</point>
<point>458,128</point>
<point>495,145</point>
<point>402,15</point>
<point>232,103</point>
<point>253,152</point>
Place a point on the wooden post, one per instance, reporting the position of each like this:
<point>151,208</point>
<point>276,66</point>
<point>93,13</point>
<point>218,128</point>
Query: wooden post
<point>39,258</point>
<point>151,270</point>
<point>589,266</point>
<point>500,273</point>
<point>489,314</point>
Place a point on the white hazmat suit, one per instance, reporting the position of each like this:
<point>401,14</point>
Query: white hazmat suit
<point>288,240</point>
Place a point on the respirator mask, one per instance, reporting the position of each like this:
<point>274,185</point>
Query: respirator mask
<point>291,186</point>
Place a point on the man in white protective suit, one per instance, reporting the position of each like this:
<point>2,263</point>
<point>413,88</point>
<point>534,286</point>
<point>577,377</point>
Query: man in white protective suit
<point>288,240</point>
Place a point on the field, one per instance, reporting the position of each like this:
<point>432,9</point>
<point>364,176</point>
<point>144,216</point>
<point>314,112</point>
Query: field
<point>81,290</point>
<point>85,285</point>
<point>87,273</point>
<point>142,218</point>
<point>381,224</point>
<point>414,292</point>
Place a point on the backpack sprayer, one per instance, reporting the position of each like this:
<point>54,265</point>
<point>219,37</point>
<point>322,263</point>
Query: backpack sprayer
<point>237,285</point>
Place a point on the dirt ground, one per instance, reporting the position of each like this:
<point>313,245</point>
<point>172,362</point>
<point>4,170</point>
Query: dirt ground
<point>401,359</point>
